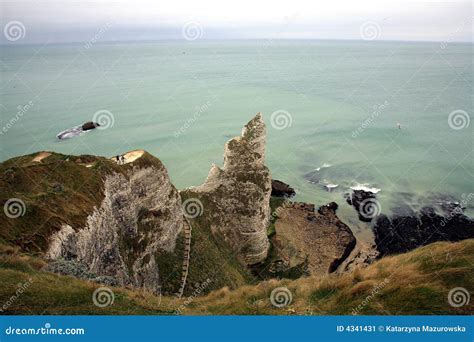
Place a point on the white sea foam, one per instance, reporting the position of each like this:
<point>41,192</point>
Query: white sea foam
<point>331,186</point>
<point>365,187</point>
<point>328,185</point>
<point>70,133</point>
<point>325,165</point>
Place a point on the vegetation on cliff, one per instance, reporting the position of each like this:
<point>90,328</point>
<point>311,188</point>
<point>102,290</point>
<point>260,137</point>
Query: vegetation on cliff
<point>414,283</point>
<point>60,189</point>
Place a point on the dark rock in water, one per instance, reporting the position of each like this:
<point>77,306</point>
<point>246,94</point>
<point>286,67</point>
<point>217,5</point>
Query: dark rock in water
<point>357,197</point>
<point>365,203</point>
<point>77,131</point>
<point>328,208</point>
<point>281,189</point>
<point>402,233</point>
<point>90,125</point>
<point>403,210</point>
<point>450,206</point>
<point>313,177</point>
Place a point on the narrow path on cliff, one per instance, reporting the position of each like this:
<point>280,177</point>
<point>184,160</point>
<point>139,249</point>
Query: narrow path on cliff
<point>186,258</point>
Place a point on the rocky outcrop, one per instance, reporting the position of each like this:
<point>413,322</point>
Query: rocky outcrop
<point>78,270</point>
<point>77,131</point>
<point>281,189</point>
<point>89,125</point>
<point>328,209</point>
<point>407,230</point>
<point>365,203</point>
<point>318,238</point>
<point>140,216</point>
<point>235,200</point>
<point>361,256</point>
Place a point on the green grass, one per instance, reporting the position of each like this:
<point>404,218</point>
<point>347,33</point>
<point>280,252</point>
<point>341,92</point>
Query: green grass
<point>56,190</point>
<point>212,258</point>
<point>47,293</point>
<point>412,288</point>
<point>271,230</point>
<point>275,203</point>
<point>61,189</point>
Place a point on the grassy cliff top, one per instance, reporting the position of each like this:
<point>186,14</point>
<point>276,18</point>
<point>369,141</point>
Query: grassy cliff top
<point>54,189</point>
<point>414,283</point>
<point>61,189</point>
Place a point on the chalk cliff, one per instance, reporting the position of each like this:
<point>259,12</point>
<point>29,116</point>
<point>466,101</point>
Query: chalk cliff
<point>140,216</point>
<point>235,199</point>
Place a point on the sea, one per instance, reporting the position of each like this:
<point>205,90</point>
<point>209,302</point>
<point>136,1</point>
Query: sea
<point>389,116</point>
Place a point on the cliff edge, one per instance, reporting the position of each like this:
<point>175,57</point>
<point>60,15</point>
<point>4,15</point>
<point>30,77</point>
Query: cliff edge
<point>235,199</point>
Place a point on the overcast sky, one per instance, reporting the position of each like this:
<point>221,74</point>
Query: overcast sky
<point>105,20</point>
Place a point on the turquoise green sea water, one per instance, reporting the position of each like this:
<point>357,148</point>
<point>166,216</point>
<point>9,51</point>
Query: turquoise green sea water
<point>183,101</point>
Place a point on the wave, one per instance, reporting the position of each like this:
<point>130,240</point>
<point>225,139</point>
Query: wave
<point>328,185</point>
<point>365,187</point>
<point>331,186</point>
<point>325,165</point>
<point>70,133</point>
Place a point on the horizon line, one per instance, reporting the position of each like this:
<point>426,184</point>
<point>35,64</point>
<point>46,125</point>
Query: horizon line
<point>10,44</point>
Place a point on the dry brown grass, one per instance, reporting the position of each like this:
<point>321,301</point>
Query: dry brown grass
<point>393,285</point>
<point>414,283</point>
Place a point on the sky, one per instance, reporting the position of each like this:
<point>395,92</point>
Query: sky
<point>108,20</point>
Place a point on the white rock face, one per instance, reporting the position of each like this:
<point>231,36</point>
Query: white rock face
<point>141,215</point>
<point>138,217</point>
<point>236,198</point>
<point>63,244</point>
